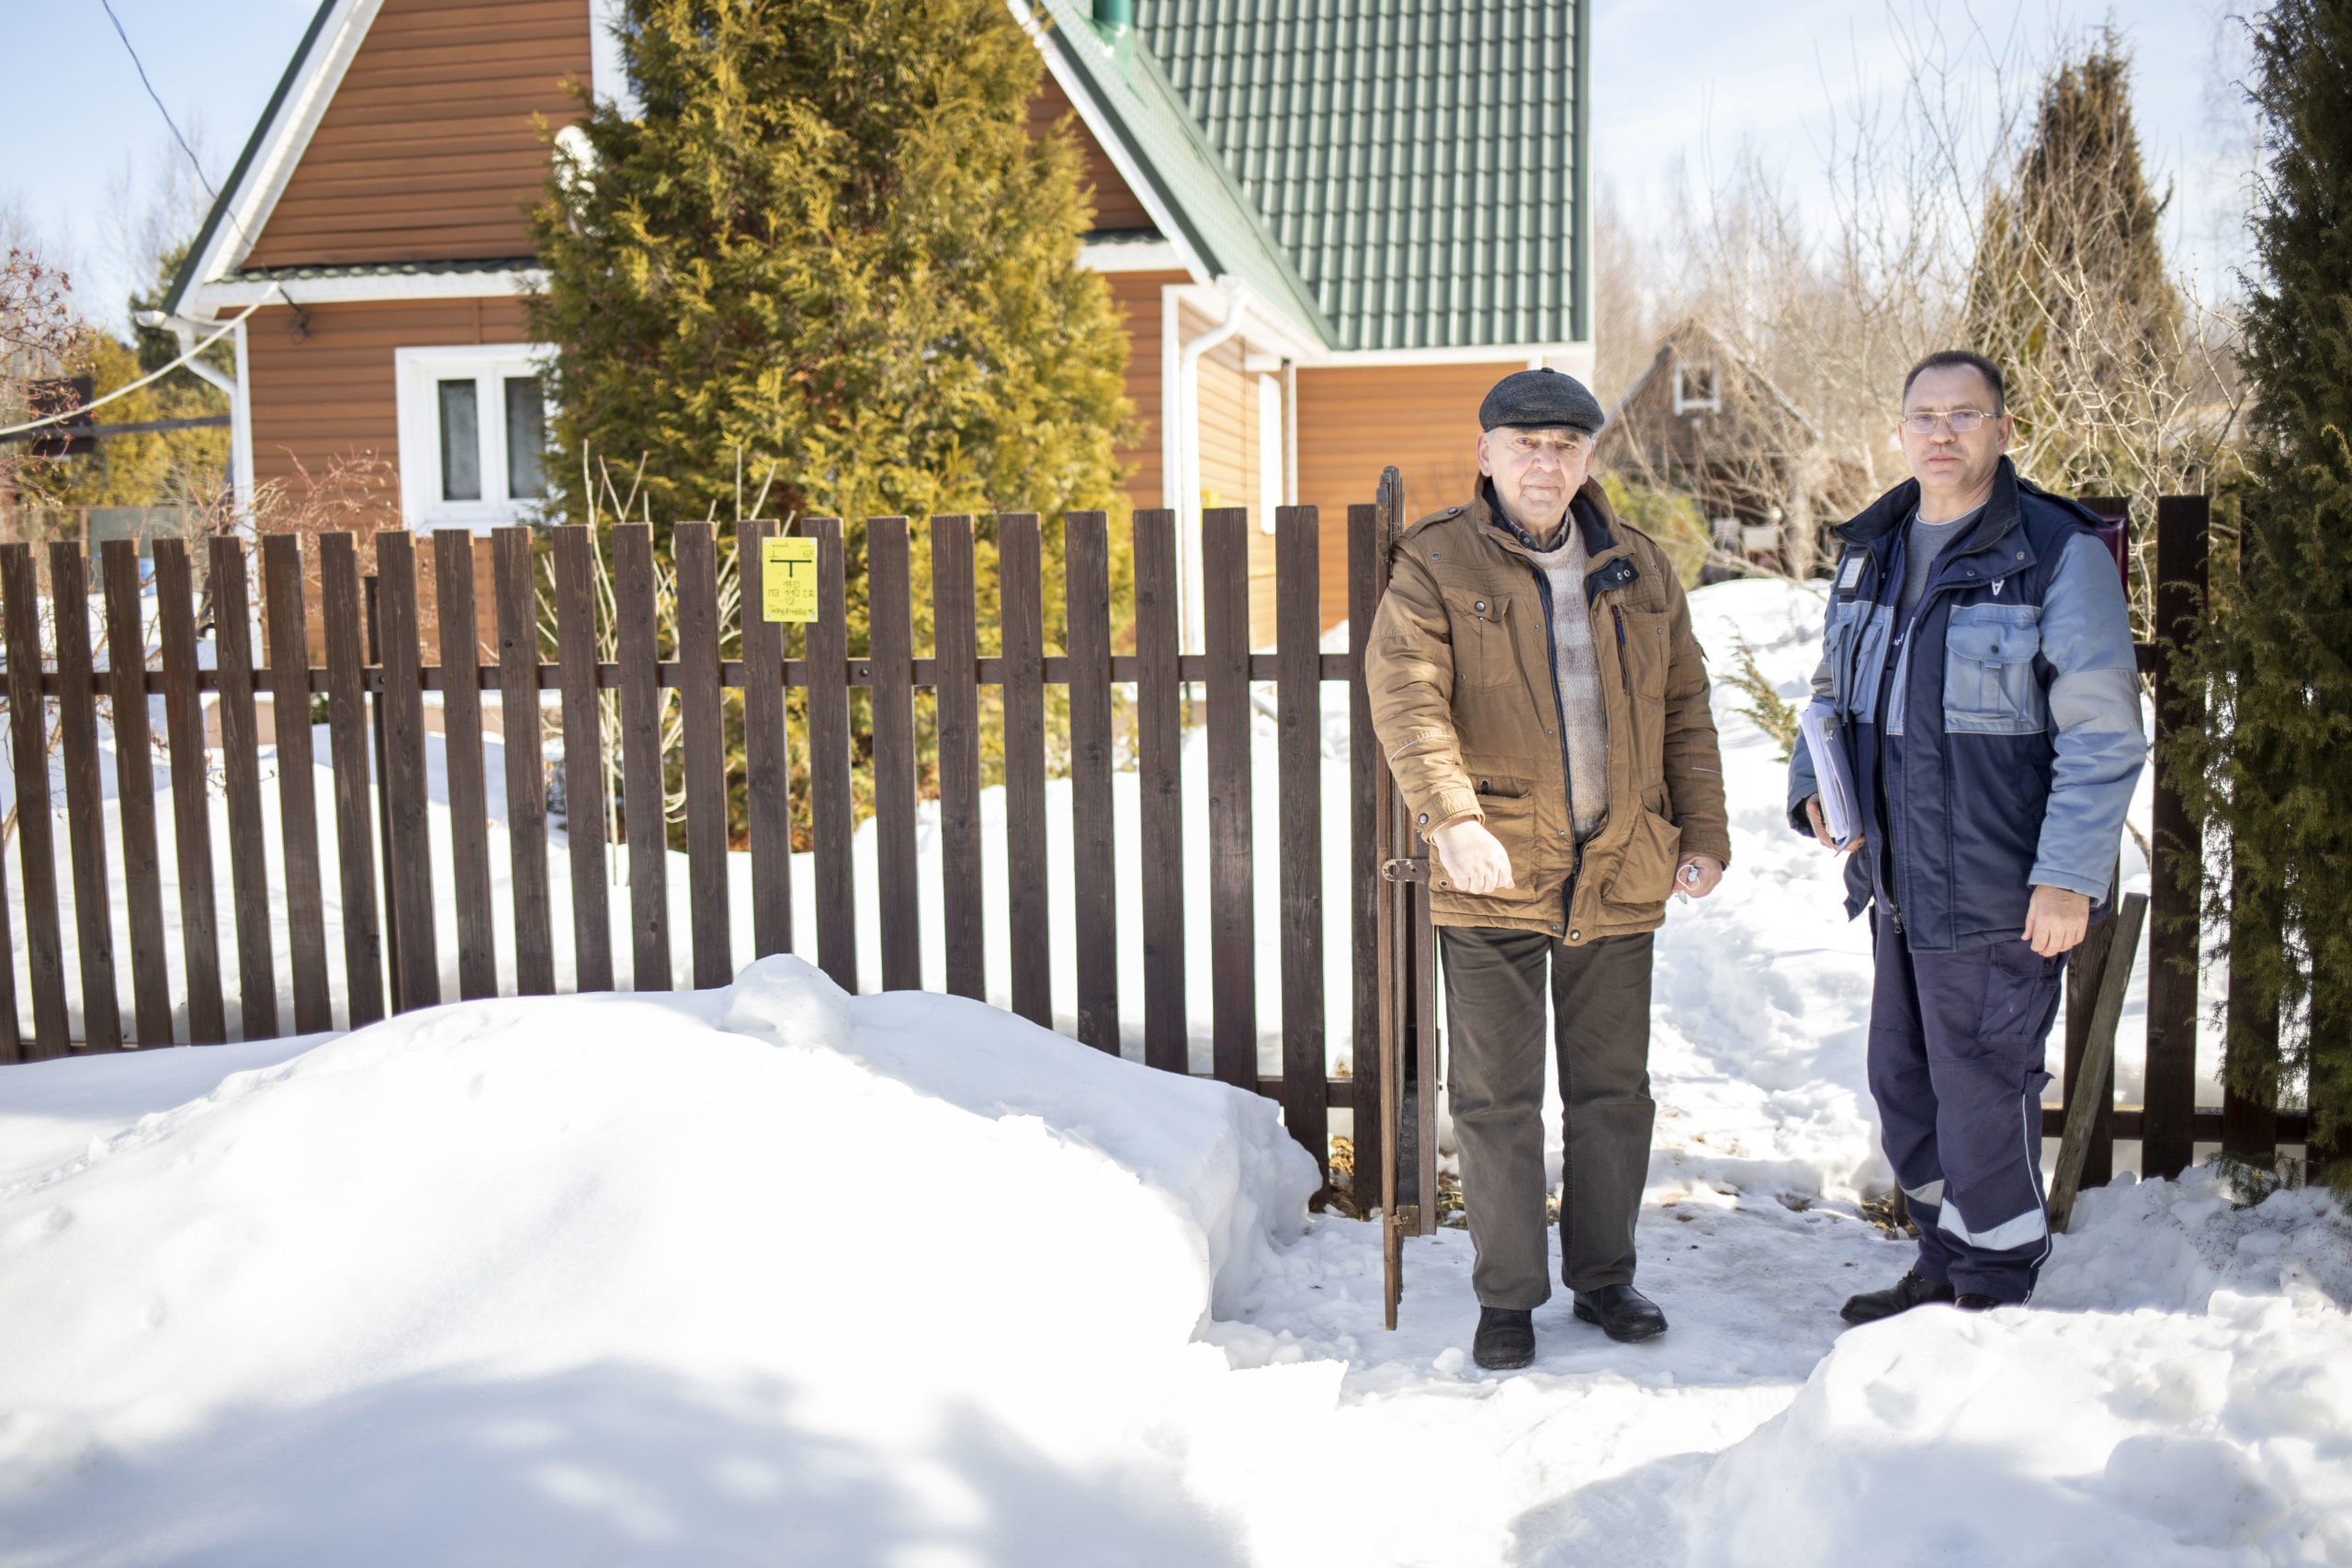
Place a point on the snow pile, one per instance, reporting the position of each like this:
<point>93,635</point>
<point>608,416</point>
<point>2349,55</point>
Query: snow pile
<point>2172,1244</point>
<point>2035,1437</point>
<point>667,1271</point>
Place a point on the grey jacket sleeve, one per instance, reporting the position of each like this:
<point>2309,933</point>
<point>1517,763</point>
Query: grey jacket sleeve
<point>2095,717</point>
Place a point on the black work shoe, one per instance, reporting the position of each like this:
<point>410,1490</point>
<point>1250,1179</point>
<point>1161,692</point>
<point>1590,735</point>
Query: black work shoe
<point>1622,1312</point>
<point>1505,1339</point>
<point>1902,1295</point>
<point>1975,1301</point>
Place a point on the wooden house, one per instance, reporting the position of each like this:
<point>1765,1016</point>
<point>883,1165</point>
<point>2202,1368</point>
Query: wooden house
<point>1705,421</point>
<point>1331,226</point>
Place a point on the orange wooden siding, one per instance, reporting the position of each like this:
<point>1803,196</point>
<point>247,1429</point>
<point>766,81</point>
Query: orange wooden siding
<point>1115,205</point>
<point>1135,295</point>
<point>428,151</point>
<point>1353,421</point>
<point>332,392</point>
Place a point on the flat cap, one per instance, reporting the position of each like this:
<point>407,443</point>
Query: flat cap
<point>1541,400</point>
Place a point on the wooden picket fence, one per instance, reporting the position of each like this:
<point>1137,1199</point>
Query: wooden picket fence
<point>375,678</point>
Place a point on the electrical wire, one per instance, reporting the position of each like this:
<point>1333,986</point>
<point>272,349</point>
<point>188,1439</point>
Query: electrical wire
<point>226,327</point>
<point>141,67</point>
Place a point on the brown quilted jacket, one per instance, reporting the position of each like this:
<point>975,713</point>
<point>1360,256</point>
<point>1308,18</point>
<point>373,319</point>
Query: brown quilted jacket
<point>1458,665</point>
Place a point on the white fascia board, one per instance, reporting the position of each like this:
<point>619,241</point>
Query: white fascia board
<point>1113,147</point>
<point>208,301</point>
<point>257,195</point>
<point>1133,255</point>
<point>1263,327</point>
<point>1559,354</point>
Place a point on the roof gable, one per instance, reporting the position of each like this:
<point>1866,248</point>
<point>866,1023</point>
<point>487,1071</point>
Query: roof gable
<point>1416,159</point>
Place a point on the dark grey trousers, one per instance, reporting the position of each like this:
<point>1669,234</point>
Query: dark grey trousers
<point>1494,1014</point>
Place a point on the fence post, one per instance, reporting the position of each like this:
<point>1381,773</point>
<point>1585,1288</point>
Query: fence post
<point>767,763</point>
<point>694,548</point>
<point>1233,944</point>
<point>826,667</point>
<point>1299,614</point>
<point>642,820</point>
<point>2177,841</point>
<point>344,623</point>
<point>1085,561</point>
<point>1367,799</point>
<point>457,632</point>
<point>298,812</point>
<point>516,591</point>
<point>241,766</point>
<point>584,757</point>
<point>191,812</point>
<point>890,658</point>
<point>408,876</point>
<point>1160,789</point>
<point>1022,630</point>
<point>77,724</point>
<point>134,763</point>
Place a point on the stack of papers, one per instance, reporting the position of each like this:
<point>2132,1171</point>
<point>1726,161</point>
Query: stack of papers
<point>1840,813</point>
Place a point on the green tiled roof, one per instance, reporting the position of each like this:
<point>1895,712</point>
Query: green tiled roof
<point>1194,184</point>
<point>1416,159</point>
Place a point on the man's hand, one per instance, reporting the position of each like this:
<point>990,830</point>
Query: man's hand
<point>2056,920</point>
<point>1474,858</point>
<point>1821,831</point>
<point>1697,874</point>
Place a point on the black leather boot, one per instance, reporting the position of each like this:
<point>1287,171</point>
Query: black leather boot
<point>1901,1296</point>
<point>1623,1313</point>
<point>1973,1301</point>
<point>1505,1339</point>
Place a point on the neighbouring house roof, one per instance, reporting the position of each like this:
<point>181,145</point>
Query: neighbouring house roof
<point>1420,161</point>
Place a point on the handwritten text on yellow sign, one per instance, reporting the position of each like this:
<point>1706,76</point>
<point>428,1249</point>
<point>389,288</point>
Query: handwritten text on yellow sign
<point>788,579</point>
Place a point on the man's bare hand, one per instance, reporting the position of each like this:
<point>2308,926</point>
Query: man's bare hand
<point>2056,920</point>
<point>1698,874</point>
<point>1821,830</point>
<point>1475,861</point>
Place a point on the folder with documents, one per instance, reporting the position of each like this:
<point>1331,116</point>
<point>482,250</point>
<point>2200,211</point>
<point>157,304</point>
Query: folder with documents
<point>1839,811</point>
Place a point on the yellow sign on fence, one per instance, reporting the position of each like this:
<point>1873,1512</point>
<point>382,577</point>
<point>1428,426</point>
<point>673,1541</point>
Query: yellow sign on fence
<point>788,579</point>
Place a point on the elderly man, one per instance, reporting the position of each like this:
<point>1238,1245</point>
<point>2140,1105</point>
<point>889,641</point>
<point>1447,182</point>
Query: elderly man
<point>1543,707</point>
<point>1978,659</point>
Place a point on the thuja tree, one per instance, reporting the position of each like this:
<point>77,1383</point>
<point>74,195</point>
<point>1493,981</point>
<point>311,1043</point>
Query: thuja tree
<point>828,242</point>
<point>2274,646</point>
<point>828,247</point>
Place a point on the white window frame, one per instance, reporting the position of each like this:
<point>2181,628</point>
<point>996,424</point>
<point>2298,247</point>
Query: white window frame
<point>1712,403</point>
<point>417,373</point>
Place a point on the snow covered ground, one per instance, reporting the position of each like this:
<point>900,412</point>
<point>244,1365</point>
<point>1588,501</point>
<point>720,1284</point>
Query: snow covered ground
<point>772,1274</point>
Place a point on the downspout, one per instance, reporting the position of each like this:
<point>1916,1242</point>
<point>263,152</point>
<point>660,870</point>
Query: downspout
<point>1187,422</point>
<point>241,430</point>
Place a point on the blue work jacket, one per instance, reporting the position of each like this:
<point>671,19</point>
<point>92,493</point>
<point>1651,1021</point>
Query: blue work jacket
<point>1992,735</point>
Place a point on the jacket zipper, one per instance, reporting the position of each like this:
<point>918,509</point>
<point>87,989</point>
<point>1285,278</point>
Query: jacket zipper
<point>1624,679</point>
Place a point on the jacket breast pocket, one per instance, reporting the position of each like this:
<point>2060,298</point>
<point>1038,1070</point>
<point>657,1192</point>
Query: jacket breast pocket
<point>1990,685</point>
<point>1481,628</point>
<point>1837,646</point>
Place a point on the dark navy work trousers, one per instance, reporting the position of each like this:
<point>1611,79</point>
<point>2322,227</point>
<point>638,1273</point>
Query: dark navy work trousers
<point>1955,1064</point>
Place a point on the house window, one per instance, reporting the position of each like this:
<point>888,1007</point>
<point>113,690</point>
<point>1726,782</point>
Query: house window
<point>472,435</point>
<point>1694,386</point>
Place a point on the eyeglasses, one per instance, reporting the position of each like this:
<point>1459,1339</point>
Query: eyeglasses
<point>1960,422</point>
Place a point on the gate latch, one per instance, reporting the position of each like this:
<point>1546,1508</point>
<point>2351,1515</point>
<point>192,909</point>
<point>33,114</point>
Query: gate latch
<point>1405,870</point>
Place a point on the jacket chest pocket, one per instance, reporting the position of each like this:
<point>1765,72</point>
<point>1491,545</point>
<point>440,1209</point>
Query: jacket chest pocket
<point>1481,625</point>
<point>1642,652</point>
<point>1856,640</point>
<point>1990,686</point>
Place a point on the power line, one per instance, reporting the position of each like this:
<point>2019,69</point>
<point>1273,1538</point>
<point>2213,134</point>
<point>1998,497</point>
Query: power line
<point>138,65</point>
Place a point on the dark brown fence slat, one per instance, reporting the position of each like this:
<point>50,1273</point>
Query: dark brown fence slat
<point>371,597</point>
<point>134,773</point>
<point>583,756</point>
<point>694,552</point>
<point>1298,589</point>
<point>461,652</point>
<point>77,724</point>
<point>830,820</point>
<point>1086,560</point>
<point>516,591</point>
<point>343,621</point>
<point>297,810</point>
<point>28,741</point>
<point>2178,839</point>
<point>191,813</point>
<point>241,769</point>
<point>766,760</point>
<point>1232,956</point>
<point>641,814</point>
<point>1367,790</point>
<point>1160,789</point>
<point>1021,616</point>
<point>889,611</point>
<point>416,965</point>
<point>12,1038</point>
<point>2085,968</point>
<point>955,642</point>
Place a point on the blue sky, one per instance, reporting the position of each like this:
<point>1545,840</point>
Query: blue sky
<point>1697,79</point>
